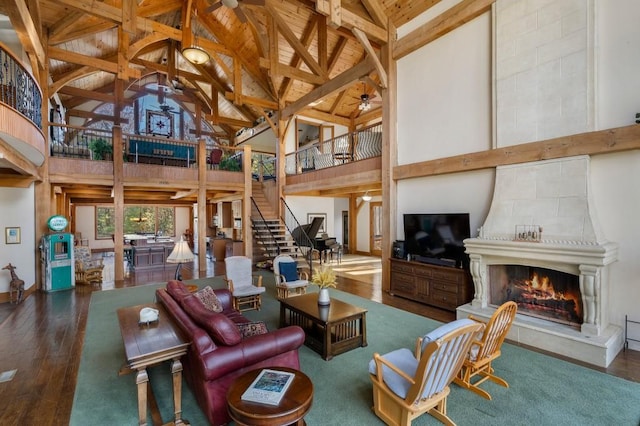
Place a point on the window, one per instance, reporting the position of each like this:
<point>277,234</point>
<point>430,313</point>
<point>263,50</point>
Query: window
<point>151,220</point>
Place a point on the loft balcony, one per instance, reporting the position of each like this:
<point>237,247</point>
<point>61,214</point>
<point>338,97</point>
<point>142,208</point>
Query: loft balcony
<point>21,139</point>
<point>85,155</point>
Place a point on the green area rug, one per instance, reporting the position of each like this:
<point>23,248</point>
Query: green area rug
<point>544,390</point>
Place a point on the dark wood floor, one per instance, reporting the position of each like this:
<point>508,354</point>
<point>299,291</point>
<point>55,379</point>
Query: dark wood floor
<point>42,338</point>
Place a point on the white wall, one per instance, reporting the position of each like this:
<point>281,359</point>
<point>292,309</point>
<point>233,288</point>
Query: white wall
<point>426,132</point>
<point>17,208</point>
<point>618,62</point>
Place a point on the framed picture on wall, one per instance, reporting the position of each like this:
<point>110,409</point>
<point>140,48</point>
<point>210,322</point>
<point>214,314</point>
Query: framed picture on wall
<point>323,227</point>
<point>12,235</point>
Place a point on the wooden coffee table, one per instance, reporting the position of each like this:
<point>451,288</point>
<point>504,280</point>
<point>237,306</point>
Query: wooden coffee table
<point>295,403</point>
<point>329,330</point>
<point>149,344</point>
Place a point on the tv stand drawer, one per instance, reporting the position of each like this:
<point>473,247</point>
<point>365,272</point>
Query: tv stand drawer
<point>440,286</point>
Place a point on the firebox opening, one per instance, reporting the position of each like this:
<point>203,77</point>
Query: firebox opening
<point>539,292</point>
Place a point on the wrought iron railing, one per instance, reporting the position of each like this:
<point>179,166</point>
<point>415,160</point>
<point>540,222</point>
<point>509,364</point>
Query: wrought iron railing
<point>270,242</point>
<point>298,233</point>
<point>18,89</point>
<point>356,146</point>
<point>80,142</point>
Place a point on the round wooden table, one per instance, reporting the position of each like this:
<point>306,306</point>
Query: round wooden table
<point>291,410</point>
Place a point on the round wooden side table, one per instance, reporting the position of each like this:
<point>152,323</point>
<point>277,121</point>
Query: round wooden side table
<point>291,410</point>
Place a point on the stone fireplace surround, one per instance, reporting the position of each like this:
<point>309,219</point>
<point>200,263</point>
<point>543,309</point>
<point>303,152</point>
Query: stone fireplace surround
<point>554,194</point>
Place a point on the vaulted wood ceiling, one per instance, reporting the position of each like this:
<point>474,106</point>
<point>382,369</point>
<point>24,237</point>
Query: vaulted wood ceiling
<point>298,57</point>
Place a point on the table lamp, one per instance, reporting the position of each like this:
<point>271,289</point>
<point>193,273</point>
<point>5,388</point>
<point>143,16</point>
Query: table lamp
<point>181,253</point>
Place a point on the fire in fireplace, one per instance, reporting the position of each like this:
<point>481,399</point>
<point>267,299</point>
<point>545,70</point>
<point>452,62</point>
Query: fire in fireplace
<point>539,292</point>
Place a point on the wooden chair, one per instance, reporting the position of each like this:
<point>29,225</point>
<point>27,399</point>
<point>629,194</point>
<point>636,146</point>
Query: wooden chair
<point>88,270</point>
<point>486,349</point>
<point>408,384</point>
<point>245,287</point>
<point>288,278</point>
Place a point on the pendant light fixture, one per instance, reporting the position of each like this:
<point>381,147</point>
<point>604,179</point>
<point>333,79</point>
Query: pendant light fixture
<point>366,197</point>
<point>194,53</point>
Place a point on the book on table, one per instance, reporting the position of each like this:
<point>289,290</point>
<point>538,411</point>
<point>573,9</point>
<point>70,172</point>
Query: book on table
<point>269,387</point>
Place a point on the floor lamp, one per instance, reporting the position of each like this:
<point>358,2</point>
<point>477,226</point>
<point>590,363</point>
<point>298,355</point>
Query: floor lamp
<point>181,253</point>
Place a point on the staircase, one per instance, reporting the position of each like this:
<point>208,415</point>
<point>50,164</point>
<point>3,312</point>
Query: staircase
<point>270,237</point>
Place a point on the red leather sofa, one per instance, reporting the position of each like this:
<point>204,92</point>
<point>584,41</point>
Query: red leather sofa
<point>218,354</point>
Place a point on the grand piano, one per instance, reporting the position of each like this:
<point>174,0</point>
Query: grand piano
<point>306,236</point>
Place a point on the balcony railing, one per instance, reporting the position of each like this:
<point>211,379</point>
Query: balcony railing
<point>18,89</point>
<point>80,142</point>
<point>356,146</point>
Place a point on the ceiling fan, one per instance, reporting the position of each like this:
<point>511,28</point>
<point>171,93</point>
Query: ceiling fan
<point>366,100</point>
<point>233,4</point>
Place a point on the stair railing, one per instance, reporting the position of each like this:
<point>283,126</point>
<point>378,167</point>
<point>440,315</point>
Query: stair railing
<point>301,238</point>
<point>264,221</point>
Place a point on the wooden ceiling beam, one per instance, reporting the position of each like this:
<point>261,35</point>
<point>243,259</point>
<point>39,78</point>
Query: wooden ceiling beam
<point>228,120</point>
<point>293,41</point>
<point>364,41</point>
<point>93,116</point>
<point>296,60</point>
<point>26,29</point>
<point>350,20</point>
<point>375,9</point>
<point>334,85</point>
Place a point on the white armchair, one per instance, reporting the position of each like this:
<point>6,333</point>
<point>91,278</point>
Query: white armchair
<point>288,278</point>
<point>245,287</point>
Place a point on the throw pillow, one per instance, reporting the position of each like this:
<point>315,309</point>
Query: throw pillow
<point>289,270</point>
<point>248,329</point>
<point>209,299</point>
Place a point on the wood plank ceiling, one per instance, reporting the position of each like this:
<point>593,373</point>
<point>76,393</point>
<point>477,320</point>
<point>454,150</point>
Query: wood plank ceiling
<point>265,54</point>
<point>286,57</point>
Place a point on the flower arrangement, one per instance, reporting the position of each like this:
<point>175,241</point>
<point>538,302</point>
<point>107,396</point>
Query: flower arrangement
<point>324,277</point>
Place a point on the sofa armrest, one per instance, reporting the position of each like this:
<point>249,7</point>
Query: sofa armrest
<point>227,359</point>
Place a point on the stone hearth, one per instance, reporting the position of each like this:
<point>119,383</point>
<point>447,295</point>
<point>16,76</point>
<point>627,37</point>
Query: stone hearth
<point>552,196</point>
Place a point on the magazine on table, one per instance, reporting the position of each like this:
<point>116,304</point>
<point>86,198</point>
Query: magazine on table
<point>269,387</point>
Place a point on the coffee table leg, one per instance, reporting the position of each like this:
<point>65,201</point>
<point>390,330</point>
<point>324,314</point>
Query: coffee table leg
<point>176,371</point>
<point>141,380</point>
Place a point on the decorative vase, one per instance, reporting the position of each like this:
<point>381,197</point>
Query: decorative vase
<point>323,297</point>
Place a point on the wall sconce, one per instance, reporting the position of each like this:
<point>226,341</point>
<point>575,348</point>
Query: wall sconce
<point>366,197</point>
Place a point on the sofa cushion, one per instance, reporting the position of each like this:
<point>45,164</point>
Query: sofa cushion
<point>289,270</point>
<point>253,328</point>
<point>222,330</point>
<point>209,299</point>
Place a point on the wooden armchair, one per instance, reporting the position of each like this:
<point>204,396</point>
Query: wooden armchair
<point>245,287</point>
<point>288,279</point>
<point>407,385</point>
<point>88,271</point>
<point>486,349</point>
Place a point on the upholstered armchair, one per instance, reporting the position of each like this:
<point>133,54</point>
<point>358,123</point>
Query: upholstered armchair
<point>245,287</point>
<point>408,384</point>
<point>288,278</point>
<point>88,270</point>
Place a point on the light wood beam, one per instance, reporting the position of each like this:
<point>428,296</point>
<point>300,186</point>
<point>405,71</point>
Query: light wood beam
<point>228,120</point>
<point>129,13</point>
<point>590,143</point>
<point>335,85</point>
<point>364,41</point>
<point>297,46</point>
<point>375,9</point>
<point>94,116</point>
<point>293,73</point>
<point>26,29</point>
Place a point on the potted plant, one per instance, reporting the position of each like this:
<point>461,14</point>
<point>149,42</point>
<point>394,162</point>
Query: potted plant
<point>229,163</point>
<point>100,149</point>
<point>324,278</point>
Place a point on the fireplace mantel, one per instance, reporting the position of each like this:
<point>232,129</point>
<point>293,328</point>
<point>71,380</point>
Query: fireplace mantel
<point>555,196</point>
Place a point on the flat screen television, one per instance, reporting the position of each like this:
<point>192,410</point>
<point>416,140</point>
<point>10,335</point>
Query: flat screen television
<point>437,238</point>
